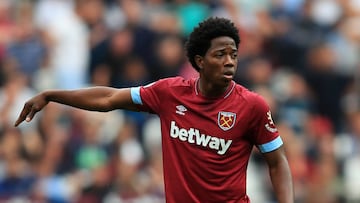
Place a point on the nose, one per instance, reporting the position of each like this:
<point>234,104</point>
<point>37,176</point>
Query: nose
<point>229,60</point>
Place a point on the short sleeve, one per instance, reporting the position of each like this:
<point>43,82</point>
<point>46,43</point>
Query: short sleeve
<point>264,132</point>
<point>147,98</point>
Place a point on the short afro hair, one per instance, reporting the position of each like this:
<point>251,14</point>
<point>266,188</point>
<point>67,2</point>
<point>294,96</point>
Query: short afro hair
<point>199,40</point>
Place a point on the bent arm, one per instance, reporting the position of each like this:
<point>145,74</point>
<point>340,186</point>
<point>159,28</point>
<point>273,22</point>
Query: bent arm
<point>280,175</point>
<point>92,99</point>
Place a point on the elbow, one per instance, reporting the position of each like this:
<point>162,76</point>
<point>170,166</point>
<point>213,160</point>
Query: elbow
<point>106,108</point>
<point>103,107</point>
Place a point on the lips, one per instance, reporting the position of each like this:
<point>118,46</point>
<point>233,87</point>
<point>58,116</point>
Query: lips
<point>229,74</point>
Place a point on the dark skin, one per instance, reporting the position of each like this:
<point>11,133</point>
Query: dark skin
<point>217,69</point>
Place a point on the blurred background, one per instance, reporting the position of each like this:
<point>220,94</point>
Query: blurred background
<point>303,56</point>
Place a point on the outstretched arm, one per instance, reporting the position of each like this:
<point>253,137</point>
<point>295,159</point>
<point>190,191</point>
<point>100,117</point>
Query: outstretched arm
<point>280,175</point>
<point>93,99</point>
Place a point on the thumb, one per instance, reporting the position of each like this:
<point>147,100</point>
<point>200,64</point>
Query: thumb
<point>31,115</point>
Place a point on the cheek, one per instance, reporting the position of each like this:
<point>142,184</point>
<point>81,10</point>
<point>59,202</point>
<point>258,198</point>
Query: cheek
<point>213,65</point>
<point>213,71</point>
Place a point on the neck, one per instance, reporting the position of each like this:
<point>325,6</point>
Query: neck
<point>209,89</point>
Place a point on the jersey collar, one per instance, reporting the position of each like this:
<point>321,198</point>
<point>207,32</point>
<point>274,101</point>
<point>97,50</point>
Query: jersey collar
<point>225,95</point>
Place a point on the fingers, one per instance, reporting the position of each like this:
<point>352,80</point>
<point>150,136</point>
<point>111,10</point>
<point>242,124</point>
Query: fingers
<point>31,115</point>
<point>18,121</point>
<point>21,118</point>
<point>25,114</point>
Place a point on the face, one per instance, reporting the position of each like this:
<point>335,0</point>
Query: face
<point>218,66</point>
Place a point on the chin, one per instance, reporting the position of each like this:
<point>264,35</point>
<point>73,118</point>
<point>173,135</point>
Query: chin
<point>227,80</point>
<point>224,82</point>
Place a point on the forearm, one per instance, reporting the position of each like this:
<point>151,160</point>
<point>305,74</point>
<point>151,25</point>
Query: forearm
<point>93,99</point>
<point>282,182</point>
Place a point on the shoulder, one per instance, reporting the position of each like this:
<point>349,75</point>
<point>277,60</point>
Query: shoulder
<point>177,81</point>
<point>253,99</point>
<point>248,95</point>
<point>171,82</point>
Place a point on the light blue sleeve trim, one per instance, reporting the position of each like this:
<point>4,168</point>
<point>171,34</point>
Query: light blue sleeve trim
<point>135,95</point>
<point>271,146</point>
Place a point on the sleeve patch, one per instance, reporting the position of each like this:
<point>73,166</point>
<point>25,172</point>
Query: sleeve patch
<point>135,95</point>
<point>271,146</point>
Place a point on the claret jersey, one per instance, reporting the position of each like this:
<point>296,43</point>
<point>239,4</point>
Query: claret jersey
<point>207,142</point>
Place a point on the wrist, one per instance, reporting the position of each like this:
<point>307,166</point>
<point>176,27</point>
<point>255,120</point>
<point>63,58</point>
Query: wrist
<point>46,95</point>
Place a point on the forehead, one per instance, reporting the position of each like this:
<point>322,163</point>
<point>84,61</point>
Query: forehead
<point>222,43</point>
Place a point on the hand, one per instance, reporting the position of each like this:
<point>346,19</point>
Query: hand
<point>31,107</point>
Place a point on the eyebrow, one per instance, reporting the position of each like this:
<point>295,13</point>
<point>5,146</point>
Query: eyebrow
<point>223,49</point>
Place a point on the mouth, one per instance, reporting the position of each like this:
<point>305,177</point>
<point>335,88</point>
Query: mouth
<point>228,75</point>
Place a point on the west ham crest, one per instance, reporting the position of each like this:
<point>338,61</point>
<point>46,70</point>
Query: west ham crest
<point>226,120</point>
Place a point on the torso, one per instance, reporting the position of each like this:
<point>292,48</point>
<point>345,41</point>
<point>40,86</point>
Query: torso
<point>206,142</point>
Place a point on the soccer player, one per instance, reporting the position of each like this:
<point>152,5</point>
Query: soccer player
<point>209,124</point>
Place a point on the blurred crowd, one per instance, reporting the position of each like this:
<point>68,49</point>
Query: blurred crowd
<point>303,56</point>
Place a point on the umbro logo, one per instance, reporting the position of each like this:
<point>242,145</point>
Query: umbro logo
<point>180,109</point>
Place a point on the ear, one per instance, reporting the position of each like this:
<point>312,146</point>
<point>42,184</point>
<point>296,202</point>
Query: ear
<point>199,61</point>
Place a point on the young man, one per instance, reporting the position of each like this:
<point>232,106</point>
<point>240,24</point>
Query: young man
<point>209,124</point>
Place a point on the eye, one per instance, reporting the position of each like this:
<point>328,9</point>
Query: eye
<point>219,55</point>
<point>234,55</point>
